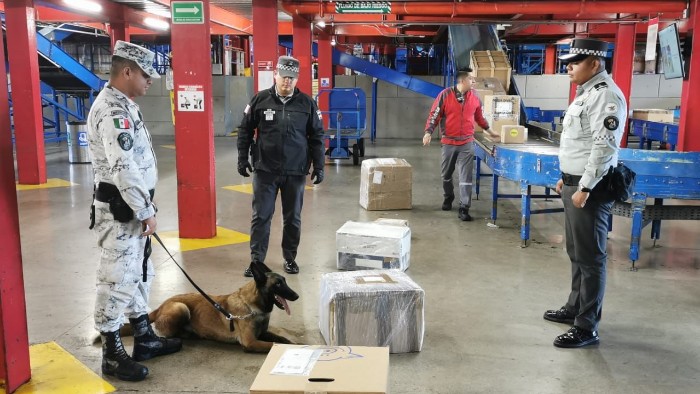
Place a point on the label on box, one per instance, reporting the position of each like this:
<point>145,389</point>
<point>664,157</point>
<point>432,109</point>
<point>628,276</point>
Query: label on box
<point>377,178</point>
<point>369,263</point>
<point>297,362</point>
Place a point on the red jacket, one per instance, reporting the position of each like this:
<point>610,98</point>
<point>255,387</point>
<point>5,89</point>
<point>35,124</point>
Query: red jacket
<point>456,119</point>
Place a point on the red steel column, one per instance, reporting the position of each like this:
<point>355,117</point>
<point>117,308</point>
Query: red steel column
<point>550,59</point>
<point>26,91</point>
<point>302,50</point>
<point>194,128</point>
<point>623,63</point>
<point>688,132</point>
<point>325,68</point>
<point>14,341</point>
<point>265,41</point>
<point>119,31</point>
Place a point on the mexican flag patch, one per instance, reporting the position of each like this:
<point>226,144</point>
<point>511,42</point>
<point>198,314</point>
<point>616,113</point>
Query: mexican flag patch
<point>121,123</point>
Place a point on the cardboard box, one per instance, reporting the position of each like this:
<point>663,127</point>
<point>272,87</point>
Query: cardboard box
<point>386,184</point>
<point>302,369</point>
<point>502,106</point>
<point>653,115</point>
<point>372,308</point>
<point>484,83</point>
<point>482,93</point>
<point>362,246</point>
<point>492,64</point>
<point>513,134</point>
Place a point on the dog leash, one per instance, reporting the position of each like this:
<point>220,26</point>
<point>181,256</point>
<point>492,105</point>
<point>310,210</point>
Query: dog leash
<point>230,317</point>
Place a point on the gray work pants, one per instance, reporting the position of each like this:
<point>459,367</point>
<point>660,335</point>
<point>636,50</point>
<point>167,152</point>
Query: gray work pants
<point>586,244</point>
<point>265,188</point>
<point>462,157</point>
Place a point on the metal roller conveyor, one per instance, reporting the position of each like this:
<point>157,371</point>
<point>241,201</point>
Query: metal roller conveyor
<point>660,175</point>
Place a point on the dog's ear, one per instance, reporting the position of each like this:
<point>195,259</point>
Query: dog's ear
<point>259,270</point>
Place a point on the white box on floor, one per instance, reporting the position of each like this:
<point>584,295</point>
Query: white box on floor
<point>322,369</point>
<point>372,308</point>
<point>373,246</point>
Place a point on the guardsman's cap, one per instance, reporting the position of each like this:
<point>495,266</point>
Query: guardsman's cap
<point>581,48</point>
<point>142,56</point>
<point>288,66</point>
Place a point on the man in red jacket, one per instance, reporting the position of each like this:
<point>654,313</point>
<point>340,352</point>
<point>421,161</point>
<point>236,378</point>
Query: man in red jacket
<point>456,109</point>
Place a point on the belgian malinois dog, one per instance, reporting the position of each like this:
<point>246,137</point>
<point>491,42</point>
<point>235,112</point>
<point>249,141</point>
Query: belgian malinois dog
<point>191,315</point>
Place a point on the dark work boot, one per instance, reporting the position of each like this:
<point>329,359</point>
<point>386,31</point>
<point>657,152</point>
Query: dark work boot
<point>447,203</point>
<point>147,344</point>
<point>116,362</point>
<point>464,213</point>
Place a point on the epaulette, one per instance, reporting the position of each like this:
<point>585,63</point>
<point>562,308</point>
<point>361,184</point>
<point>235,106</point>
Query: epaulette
<point>601,85</point>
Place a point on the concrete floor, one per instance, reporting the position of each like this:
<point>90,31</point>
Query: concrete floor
<point>484,294</point>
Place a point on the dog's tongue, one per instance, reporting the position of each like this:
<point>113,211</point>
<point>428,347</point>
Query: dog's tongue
<point>284,303</point>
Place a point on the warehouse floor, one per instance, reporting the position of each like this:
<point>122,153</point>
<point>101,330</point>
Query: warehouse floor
<point>484,294</point>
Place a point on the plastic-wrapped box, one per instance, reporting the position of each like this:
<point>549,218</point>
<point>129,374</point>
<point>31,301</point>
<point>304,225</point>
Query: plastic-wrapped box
<point>372,308</point>
<point>373,246</point>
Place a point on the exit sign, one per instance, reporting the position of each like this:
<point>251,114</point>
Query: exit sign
<point>187,12</point>
<point>363,7</point>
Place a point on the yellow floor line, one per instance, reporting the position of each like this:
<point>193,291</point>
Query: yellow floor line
<point>223,237</point>
<point>247,188</point>
<point>50,183</point>
<point>55,371</point>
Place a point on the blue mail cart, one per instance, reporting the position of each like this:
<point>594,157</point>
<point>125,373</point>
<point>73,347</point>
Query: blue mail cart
<point>345,121</point>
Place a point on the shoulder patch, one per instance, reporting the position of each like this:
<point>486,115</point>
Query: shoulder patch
<point>121,123</point>
<point>601,85</point>
<point>611,122</point>
<point>126,142</point>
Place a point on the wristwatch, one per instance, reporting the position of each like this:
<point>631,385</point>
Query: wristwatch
<point>581,188</point>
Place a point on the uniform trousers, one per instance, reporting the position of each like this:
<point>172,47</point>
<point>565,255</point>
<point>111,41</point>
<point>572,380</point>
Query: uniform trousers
<point>586,244</point>
<point>265,189</point>
<point>461,157</point>
<point>121,290</point>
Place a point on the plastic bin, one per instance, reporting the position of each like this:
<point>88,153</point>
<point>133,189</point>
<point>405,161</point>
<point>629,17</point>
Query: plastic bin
<point>78,151</point>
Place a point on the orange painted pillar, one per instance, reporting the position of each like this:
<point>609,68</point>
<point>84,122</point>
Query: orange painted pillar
<point>265,43</point>
<point>623,63</point>
<point>302,51</point>
<point>550,59</point>
<point>26,91</point>
<point>14,342</point>
<point>688,131</point>
<point>194,127</point>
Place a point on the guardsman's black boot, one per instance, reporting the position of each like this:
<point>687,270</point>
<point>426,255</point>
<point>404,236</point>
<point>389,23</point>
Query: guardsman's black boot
<point>116,362</point>
<point>147,344</point>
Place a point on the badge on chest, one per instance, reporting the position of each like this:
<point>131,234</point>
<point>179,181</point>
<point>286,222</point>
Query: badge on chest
<point>269,115</point>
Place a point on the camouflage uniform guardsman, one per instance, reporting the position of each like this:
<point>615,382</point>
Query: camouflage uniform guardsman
<point>122,155</point>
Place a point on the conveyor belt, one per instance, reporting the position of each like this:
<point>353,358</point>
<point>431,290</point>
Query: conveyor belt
<point>660,175</point>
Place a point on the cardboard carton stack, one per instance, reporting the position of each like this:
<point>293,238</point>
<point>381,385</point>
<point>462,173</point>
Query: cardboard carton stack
<point>502,110</point>
<point>386,184</point>
<point>492,64</point>
<point>376,245</point>
<point>372,308</point>
<point>513,134</point>
<point>322,369</point>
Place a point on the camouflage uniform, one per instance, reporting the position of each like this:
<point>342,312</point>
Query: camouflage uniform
<point>123,156</point>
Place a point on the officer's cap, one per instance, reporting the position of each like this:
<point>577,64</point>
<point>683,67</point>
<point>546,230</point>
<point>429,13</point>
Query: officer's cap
<point>581,48</point>
<point>142,56</point>
<point>288,66</point>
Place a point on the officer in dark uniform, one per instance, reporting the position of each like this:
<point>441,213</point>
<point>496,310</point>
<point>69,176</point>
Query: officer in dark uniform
<point>289,139</point>
<point>590,141</point>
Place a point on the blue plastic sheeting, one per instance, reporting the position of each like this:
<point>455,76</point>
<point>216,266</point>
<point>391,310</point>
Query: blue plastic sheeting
<point>68,63</point>
<point>386,74</point>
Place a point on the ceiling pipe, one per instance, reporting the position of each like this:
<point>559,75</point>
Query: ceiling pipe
<point>504,8</point>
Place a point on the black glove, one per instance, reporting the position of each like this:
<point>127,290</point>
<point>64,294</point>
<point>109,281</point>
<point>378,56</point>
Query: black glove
<point>318,174</point>
<point>244,167</point>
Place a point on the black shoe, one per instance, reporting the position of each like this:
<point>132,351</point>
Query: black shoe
<point>464,214</point>
<point>248,273</point>
<point>116,362</point>
<point>147,344</point>
<point>560,316</point>
<point>291,267</point>
<point>447,203</point>
<point>577,337</point>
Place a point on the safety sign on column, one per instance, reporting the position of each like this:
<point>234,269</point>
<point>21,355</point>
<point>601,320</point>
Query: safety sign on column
<point>190,98</point>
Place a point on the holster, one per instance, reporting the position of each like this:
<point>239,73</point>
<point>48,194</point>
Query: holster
<point>109,194</point>
<point>253,154</point>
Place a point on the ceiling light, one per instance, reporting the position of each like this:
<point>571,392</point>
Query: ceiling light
<point>321,23</point>
<point>83,5</point>
<point>156,23</point>
<point>333,42</point>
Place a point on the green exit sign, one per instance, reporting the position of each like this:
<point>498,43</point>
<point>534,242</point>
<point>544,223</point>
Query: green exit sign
<point>187,12</point>
<point>363,7</point>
